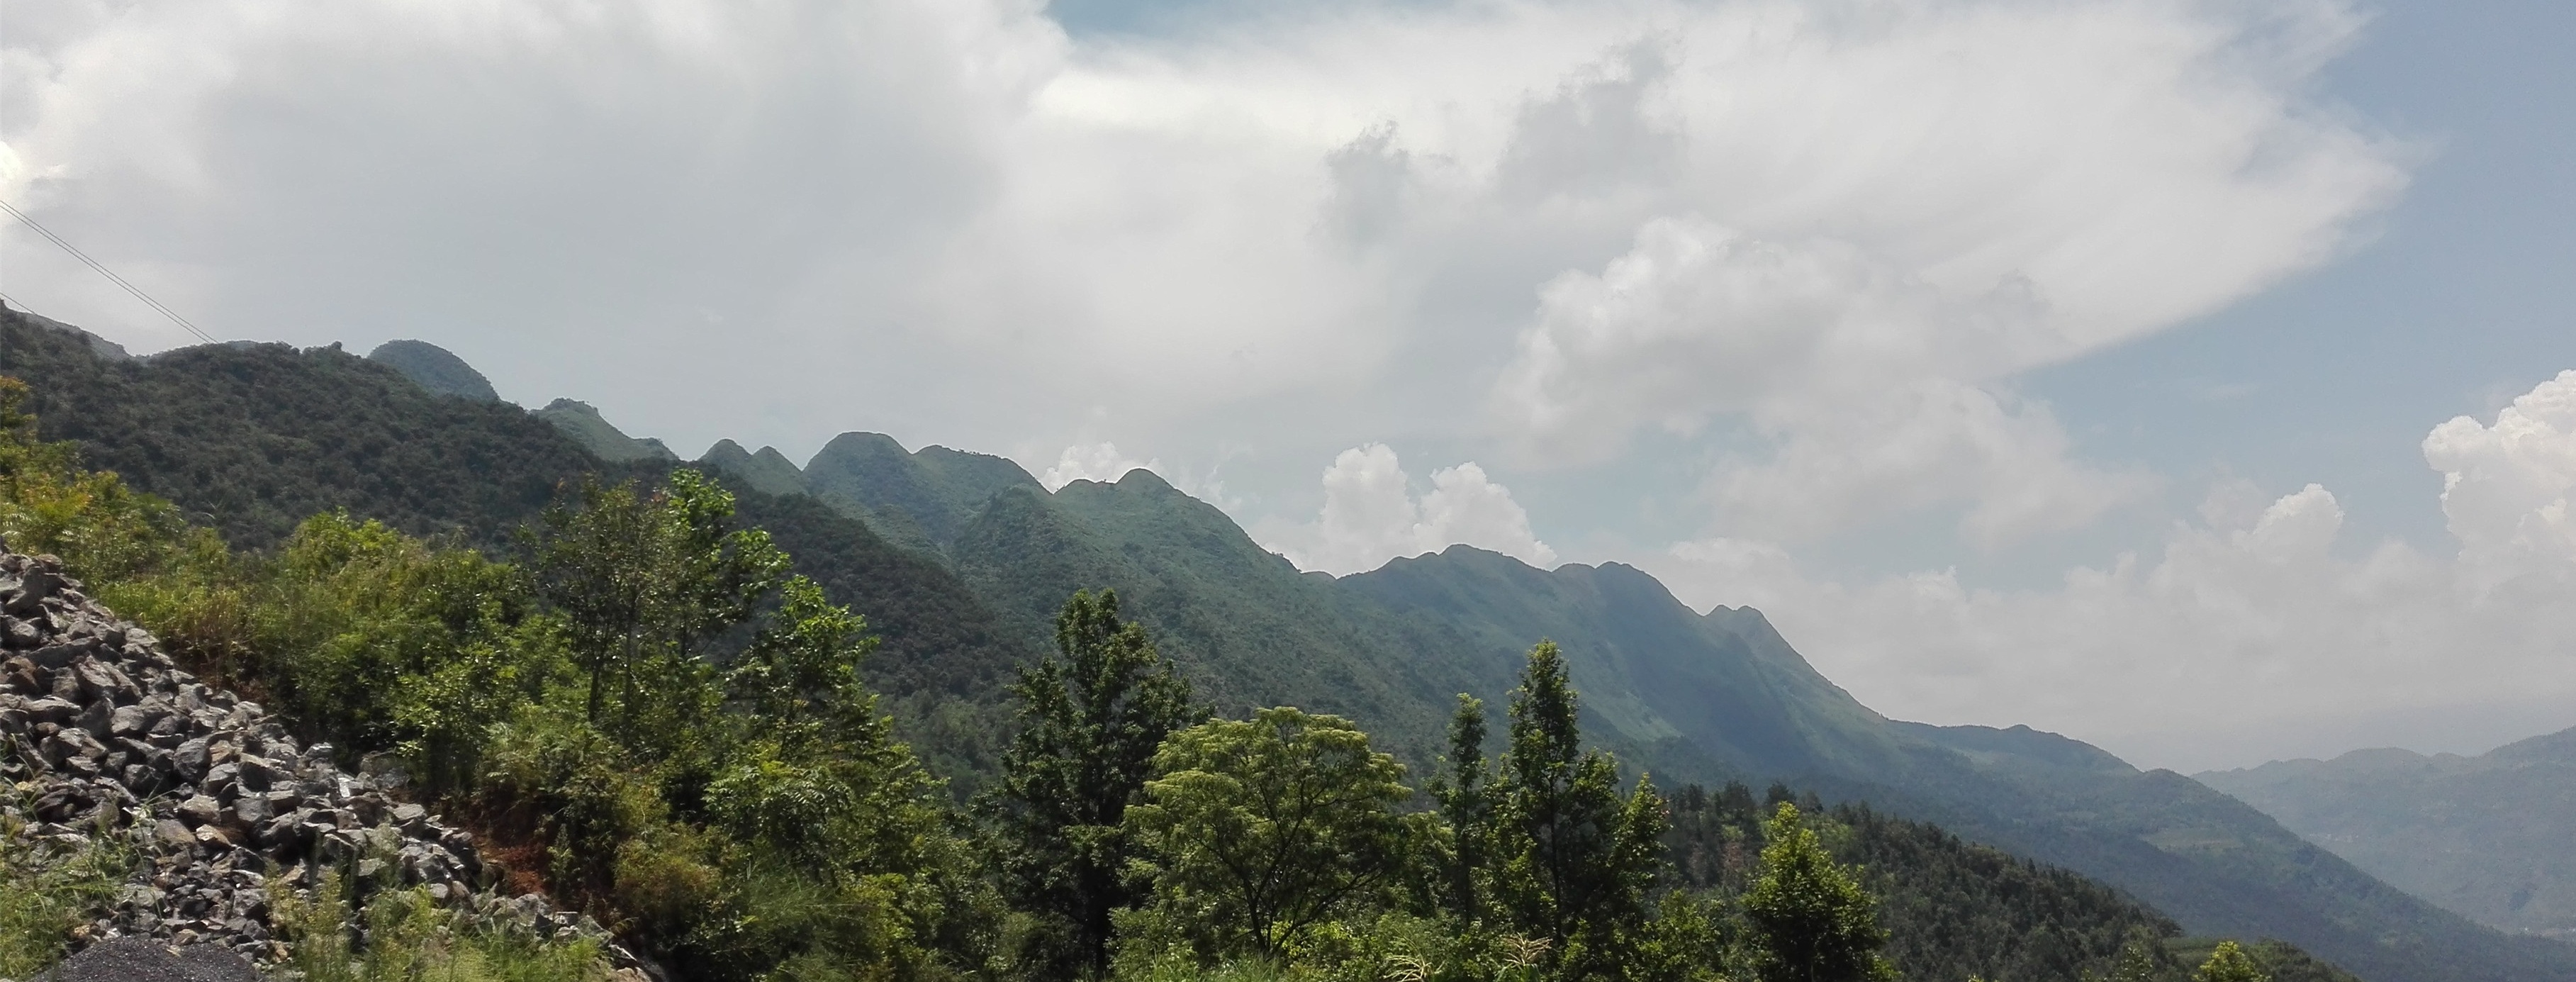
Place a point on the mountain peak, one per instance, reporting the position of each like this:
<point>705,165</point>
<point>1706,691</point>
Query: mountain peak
<point>582,421</point>
<point>768,471</point>
<point>434,368</point>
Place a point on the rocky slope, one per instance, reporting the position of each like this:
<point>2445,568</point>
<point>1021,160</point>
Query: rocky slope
<point>101,734</point>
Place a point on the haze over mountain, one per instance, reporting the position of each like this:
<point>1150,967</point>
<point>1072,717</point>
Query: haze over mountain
<point>2492,837</point>
<point>976,554</point>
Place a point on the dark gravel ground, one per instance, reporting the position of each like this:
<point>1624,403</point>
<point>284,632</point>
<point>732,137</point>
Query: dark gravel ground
<point>138,960</point>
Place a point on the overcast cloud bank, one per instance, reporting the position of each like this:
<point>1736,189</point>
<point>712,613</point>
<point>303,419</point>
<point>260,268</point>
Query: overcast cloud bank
<point>1836,229</point>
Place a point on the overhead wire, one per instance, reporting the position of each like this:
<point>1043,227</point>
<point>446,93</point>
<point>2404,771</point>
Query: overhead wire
<point>106,272</point>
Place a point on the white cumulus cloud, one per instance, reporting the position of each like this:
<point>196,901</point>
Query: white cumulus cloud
<point>1372,514</point>
<point>2256,634</point>
<point>2506,489</point>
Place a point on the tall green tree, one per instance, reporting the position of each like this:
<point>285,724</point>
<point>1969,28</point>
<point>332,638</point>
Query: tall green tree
<point>1091,718</point>
<point>1812,919</point>
<point>1575,856</point>
<point>2229,963</point>
<point>1262,829</point>
<point>1465,797</point>
<point>643,580</point>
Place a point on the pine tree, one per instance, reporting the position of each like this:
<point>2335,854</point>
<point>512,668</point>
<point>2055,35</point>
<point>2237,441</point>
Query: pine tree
<point>1466,800</point>
<point>1812,919</point>
<point>1575,856</point>
<point>1090,720</point>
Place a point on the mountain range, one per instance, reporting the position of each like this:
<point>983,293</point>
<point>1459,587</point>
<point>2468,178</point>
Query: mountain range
<point>2492,837</point>
<point>960,560</point>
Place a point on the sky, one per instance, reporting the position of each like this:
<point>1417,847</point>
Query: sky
<point>2185,377</point>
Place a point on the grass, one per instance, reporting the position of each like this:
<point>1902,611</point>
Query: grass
<point>48,892</point>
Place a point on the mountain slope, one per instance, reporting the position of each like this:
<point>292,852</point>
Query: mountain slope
<point>2492,837</point>
<point>581,421</point>
<point>258,437</point>
<point>1244,623</point>
<point>1680,692</point>
<point>253,439</point>
<point>921,498</point>
<point>1734,691</point>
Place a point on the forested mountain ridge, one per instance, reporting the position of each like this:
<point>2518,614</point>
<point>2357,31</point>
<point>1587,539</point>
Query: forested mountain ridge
<point>1390,650</point>
<point>2492,837</point>
<point>253,438</point>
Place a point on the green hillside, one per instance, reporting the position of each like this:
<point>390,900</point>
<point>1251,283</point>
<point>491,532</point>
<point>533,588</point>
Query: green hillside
<point>2492,837</point>
<point>960,560</point>
<point>253,439</point>
<point>921,498</point>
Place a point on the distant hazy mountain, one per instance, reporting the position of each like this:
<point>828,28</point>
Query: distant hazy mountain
<point>961,560</point>
<point>2492,836</point>
<point>583,423</point>
<point>435,368</point>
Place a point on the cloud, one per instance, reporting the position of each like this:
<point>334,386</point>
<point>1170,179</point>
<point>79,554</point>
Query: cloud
<point>2506,489</point>
<point>1371,515</point>
<point>1915,447</point>
<point>960,220</point>
<point>1092,462</point>
<point>2257,633</point>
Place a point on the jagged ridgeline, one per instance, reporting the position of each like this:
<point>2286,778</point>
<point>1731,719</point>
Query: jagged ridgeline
<point>961,560</point>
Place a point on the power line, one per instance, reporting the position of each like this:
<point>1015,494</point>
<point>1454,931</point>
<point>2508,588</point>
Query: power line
<point>109,273</point>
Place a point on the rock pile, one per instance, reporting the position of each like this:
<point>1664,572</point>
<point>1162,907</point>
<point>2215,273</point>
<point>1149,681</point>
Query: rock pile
<point>101,734</point>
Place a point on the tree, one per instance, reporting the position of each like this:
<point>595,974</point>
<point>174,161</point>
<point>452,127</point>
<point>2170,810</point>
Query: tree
<point>642,580</point>
<point>1264,828</point>
<point>1576,857</point>
<point>1466,800</point>
<point>2229,964</point>
<point>1812,919</point>
<point>1090,721</point>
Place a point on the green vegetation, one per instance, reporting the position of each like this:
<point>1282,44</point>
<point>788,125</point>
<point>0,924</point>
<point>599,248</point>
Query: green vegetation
<point>736,799</point>
<point>1265,830</point>
<point>405,937</point>
<point>2229,963</point>
<point>1091,721</point>
<point>1815,921</point>
<point>49,890</point>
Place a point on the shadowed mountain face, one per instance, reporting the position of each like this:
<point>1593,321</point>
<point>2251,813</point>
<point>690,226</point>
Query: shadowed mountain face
<point>962,559</point>
<point>2492,836</point>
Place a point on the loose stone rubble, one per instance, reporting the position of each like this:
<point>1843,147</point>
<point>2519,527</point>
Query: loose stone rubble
<point>102,734</point>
